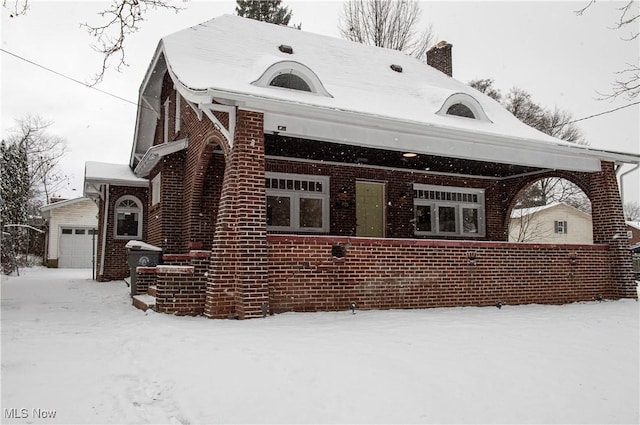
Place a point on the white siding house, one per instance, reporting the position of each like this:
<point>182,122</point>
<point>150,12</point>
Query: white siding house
<point>554,223</point>
<point>72,226</point>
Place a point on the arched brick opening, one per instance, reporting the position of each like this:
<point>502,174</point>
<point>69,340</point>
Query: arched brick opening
<point>535,233</point>
<point>202,191</point>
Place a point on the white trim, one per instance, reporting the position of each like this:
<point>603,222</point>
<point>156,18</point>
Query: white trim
<point>105,222</point>
<point>138,210</point>
<point>165,129</point>
<point>458,205</point>
<point>178,120</point>
<point>295,195</point>
<point>297,69</point>
<point>154,153</point>
<point>466,100</point>
<point>156,189</point>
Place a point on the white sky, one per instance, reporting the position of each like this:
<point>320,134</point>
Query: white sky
<point>543,47</point>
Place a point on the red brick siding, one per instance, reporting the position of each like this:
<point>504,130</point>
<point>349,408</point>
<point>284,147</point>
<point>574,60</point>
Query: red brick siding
<point>115,261</point>
<point>399,195</point>
<point>382,274</point>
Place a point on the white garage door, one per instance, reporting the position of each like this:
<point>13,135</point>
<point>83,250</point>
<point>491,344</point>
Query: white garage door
<point>75,248</point>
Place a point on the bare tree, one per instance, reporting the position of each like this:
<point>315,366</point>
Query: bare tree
<point>632,211</point>
<point>386,23</point>
<point>43,153</point>
<point>627,81</point>
<point>121,19</point>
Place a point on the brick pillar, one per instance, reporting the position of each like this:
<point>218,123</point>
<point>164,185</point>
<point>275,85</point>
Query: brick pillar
<point>237,283</point>
<point>609,227</point>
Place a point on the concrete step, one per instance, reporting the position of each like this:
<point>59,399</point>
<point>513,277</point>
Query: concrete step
<point>152,290</point>
<point>144,302</point>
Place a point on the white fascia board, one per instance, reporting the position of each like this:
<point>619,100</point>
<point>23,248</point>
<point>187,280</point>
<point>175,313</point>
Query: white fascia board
<point>426,140</point>
<point>64,203</point>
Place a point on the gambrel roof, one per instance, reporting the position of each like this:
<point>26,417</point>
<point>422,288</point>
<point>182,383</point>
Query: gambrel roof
<point>359,95</point>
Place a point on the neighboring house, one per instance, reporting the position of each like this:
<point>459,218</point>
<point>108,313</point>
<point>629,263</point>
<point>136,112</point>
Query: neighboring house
<point>285,171</point>
<point>633,227</point>
<point>71,233</point>
<point>554,223</point>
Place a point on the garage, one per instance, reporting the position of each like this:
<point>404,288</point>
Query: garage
<point>77,247</point>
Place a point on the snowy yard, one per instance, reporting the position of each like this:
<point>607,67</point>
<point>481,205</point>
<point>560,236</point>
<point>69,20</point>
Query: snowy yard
<point>76,349</point>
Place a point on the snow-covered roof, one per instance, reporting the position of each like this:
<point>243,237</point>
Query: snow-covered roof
<point>359,99</point>
<point>634,224</point>
<point>523,212</point>
<point>99,173</point>
<point>46,208</point>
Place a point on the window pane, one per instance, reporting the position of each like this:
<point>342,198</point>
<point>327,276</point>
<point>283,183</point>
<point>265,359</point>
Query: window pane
<point>310,212</point>
<point>447,219</point>
<point>127,224</point>
<point>80,231</point>
<point>470,220</point>
<point>278,211</point>
<point>423,218</point>
<point>290,81</point>
<point>67,231</point>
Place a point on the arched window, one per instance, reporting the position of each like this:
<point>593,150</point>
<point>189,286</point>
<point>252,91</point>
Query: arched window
<point>463,105</point>
<point>128,218</point>
<point>290,81</point>
<point>460,110</point>
<point>293,76</point>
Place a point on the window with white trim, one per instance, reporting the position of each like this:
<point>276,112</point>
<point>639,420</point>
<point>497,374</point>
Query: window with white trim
<point>128,218</point>
<point>292,75</point>
<point>448,211</point>
<point>155,189</point>
<point>297,203</point>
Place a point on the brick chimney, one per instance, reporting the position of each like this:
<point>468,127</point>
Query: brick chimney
<point>439,57</point>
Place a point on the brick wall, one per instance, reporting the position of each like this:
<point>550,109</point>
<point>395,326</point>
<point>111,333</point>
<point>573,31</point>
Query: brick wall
<point>382,274</point>
<point>115,259</point>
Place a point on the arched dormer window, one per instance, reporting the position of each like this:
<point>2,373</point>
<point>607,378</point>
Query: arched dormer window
<point>463,105</point>
<point>292,76</point>
<point>128,218</point>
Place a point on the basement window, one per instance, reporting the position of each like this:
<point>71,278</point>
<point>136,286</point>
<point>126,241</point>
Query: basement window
<point>448,211</point>
<point>297,203</point>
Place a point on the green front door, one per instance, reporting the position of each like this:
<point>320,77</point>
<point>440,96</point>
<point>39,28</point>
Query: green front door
<point>370,209</point>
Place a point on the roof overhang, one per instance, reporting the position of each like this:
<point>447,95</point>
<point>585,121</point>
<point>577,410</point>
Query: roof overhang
<point>154,153</point>
<point>98,174</point>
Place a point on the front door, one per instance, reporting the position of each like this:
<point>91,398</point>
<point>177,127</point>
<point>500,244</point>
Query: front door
<point>370,209</point>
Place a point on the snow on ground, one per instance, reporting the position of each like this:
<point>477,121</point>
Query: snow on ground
<point>77,349</point>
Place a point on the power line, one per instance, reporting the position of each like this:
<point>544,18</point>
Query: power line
<point>598,114</point>
<point>67,77</point>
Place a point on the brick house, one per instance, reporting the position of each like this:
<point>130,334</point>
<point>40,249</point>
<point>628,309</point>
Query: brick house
<point>285,171</point>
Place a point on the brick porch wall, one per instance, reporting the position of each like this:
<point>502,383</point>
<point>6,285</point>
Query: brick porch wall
<point>397,273</point>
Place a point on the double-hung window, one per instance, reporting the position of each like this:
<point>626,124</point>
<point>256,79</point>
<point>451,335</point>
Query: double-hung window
<point>560,227</point>
<point>297,203</point>
<point>448,211</point>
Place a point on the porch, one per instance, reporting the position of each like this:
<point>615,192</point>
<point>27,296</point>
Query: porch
<point>328,273</point>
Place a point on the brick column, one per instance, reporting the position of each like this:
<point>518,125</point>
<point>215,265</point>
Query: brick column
<point>609,227</point>
<point>237,284</point>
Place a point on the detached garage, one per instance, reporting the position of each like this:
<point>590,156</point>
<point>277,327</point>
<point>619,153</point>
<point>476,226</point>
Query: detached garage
<point>71,237</point>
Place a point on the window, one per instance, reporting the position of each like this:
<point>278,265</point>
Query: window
<point>67,231</point>
<point>560,227</point>
<point>128,218</point>
<point>290,81</point>
<point>460,110</point>
<point>463,105</point>
<point>292,75</point>
<point>448,211</point>
<point>297,203</point>
<point>155,189</point>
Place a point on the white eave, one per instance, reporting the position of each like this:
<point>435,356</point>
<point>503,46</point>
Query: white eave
<point>97,174</point>
<point>154,153</point>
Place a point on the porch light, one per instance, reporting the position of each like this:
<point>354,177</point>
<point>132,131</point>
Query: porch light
<point>573,258</point>
<point>409,154</point>
<point>471,255</point>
